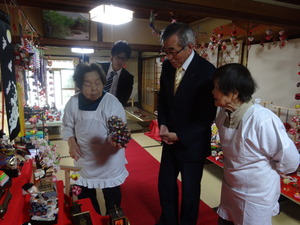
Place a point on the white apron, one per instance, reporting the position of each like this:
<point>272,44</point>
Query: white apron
<point>102,165</point>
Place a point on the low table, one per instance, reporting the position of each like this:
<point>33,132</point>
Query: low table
<point>140,114</point>
<point>141,117</point>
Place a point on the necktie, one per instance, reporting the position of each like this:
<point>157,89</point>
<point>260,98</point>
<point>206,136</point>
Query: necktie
<point>109,81</point>
<point>178,77</point>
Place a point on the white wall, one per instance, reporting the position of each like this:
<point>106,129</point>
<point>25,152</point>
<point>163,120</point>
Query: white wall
<point>276,70</point>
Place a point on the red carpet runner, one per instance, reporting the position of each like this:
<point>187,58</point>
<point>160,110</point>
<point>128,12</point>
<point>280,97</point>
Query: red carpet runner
<point>140,201</point>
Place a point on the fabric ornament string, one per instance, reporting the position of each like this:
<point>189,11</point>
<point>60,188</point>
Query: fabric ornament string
<point>178,77</point>
<point>109,81</point>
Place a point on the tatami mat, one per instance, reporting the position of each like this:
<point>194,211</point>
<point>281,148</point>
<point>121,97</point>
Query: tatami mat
<point>211,181</point>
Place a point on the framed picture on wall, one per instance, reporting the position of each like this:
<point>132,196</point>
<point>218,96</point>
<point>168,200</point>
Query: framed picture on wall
<point>232,54</point>
<point>66,25</point>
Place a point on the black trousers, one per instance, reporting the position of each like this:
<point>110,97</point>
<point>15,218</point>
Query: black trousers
<point>112,197</point>
<point>191,174</point>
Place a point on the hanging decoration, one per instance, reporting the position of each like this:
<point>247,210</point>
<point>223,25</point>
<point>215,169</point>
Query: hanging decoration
<point>213,43</point>
<point>22,56</point>
<point>155,31</point>
<point>283,38</point>
<point>269,35</point>
<point>173,20</point>
<point>250,39</point>
<point>296,129</point>
<point>152,23</point>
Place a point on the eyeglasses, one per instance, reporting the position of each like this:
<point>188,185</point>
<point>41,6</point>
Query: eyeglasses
<point>118,58</point>
<point>173,53</point>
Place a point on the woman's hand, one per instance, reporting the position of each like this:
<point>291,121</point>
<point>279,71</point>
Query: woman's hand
<point>74,149</point>
<point>115,144</point>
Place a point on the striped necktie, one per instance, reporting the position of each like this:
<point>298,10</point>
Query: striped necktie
<point>178,77</point>
<point>109,81</point>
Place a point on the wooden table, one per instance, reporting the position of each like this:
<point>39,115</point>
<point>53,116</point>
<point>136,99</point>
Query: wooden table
<point>140,114</point>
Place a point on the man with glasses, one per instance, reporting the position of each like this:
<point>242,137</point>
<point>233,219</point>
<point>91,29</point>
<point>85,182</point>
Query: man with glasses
<point>185,113</point>
<point>119,80</point>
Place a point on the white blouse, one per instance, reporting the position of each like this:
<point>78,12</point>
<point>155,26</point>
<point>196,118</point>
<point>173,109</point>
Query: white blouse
<point>102,165</point>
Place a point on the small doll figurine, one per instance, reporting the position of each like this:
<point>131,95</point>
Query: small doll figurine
<point>30,188</point>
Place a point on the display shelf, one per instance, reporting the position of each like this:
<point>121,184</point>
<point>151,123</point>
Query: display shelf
<point>287,190</point>
<point>54,129</point>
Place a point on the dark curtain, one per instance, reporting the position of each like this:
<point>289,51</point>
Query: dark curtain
<point>8,77</point>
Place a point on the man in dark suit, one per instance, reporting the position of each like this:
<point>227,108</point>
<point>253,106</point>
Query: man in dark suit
<point>119,80</point>
<point>185,114</point>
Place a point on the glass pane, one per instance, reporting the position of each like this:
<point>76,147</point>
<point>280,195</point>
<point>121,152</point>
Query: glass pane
<point>57,89</point>
<point>67,79</point>
<point>66,94</point>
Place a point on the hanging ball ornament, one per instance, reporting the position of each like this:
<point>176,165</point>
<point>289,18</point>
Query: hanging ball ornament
<point>250,38</point>
<point>269,33</point>
<point>223,45</point>
<point>220,35</point>
<point>213,38</point>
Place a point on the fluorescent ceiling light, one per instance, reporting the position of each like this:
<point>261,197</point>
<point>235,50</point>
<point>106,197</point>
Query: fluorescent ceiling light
<point>82,50</point>
<point>111,14</point>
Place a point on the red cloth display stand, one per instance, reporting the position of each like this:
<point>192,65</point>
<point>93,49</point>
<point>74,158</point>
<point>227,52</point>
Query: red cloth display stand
<point>64,216</point>
<point>18,207</point>
<point>154,131</point>
<point>17,211</point>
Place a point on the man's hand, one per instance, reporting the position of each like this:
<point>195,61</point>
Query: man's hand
<point>166,136</point>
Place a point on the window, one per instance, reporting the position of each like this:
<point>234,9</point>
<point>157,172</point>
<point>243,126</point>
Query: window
<point>56,87</point>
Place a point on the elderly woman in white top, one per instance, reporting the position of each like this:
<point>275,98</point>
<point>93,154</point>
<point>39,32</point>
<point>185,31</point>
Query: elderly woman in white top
<point>256,150</point>
<point>86,129</point>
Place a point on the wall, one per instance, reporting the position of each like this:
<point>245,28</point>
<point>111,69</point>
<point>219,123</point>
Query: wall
<point>206,26</point>
<point>276,70</point>
<point>137,31</point>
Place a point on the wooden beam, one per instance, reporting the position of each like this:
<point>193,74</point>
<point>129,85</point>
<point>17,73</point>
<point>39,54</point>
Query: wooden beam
<point>89,44</point>
<point>246,10</point>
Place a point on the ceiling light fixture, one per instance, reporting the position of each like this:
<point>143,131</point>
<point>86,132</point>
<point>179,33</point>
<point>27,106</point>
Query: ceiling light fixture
<point>82,50</point>
<point>110,14</point>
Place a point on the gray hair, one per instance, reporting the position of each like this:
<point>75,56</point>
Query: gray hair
<point>183,31</point>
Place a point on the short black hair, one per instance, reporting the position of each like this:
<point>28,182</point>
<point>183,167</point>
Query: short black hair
<point>121,47</point>
<point>83,68</point>
<point>235,77</point>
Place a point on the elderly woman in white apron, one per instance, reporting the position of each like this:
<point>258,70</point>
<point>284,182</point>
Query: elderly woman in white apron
<point>256,150</point>
<point>85,127</point>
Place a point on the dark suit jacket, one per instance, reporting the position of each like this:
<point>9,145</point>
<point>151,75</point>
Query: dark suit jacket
<point>125,84</point>
<point>191,111</point>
